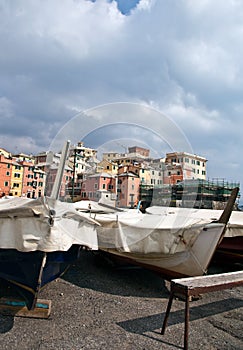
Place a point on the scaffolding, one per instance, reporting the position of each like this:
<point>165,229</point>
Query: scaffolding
<point>210,194</point>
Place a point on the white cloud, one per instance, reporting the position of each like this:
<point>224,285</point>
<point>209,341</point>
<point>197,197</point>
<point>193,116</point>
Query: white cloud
<point>182,57</point>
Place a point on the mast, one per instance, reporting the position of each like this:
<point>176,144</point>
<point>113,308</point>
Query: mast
<point>58,180</point>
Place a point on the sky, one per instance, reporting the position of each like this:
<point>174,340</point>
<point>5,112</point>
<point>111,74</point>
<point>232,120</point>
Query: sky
<point>179,62</point>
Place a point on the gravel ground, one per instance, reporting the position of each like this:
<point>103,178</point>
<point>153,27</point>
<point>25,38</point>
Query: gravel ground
<point>99,306</point>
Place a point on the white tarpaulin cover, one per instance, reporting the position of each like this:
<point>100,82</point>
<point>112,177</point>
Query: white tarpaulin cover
<point>44,224</point>
<point>234,227</point>
<point>132,231</point>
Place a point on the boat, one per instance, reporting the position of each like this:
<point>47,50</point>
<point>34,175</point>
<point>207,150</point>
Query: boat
<point>231,246</point>
<point>174,245</point>
<point>40,238</point>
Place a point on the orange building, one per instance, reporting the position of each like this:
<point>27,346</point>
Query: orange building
<point>5,173</point>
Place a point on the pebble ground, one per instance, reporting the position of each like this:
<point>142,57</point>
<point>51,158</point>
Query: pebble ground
<point>97,306</point>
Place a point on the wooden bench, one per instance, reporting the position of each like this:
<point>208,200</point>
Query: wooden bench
<point>193,286</point>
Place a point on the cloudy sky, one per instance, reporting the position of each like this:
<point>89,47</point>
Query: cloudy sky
<point>181,58</point>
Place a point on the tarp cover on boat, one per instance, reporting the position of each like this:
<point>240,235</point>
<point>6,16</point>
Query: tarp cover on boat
<point>132,231</point>
<point>44,224</point>
<point>234,227</point>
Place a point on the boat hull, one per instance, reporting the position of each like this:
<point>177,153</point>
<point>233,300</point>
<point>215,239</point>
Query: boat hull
<point>29,272</point>
<point>192,261</point>
<point>231,250</point>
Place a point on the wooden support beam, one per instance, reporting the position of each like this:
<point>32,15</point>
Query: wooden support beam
<point>17,307</point>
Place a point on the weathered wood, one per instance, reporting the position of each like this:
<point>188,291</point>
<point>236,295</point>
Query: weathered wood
<point>186,287</point>
<point>17,307</point>
<point>206,284</point>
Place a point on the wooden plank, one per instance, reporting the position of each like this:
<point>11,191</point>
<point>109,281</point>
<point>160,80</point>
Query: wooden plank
<point>204,284</point>
<point>17,307</point>
<point>187,287</point>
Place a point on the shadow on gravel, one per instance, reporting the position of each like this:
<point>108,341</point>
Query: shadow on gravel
<point>95,272</point>
<point>150,323</point>
<point>6,323</point>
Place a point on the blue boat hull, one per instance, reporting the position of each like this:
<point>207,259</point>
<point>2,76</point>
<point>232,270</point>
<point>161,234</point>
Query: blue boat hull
<point>29,272</point>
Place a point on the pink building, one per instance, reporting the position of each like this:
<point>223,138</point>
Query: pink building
<point>33,180</point>
<point>94,184</point>
<point>128,189</point>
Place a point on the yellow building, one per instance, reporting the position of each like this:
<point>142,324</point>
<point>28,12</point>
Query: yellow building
<point>108,167</point>
<point>16,179</point>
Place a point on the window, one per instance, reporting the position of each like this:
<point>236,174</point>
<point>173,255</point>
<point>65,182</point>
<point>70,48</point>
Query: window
<point>193,161</point>
<point>107,167</point>
<point>5,183</point>
<point>103,186</point>
<point>198,162</point>
<point>133,187</point>
<point>178,173</point>
<point>7,173</point>
<point>8,166</point>
<point>41,184</point>
<point>95,186</point>
<point>186,160</point>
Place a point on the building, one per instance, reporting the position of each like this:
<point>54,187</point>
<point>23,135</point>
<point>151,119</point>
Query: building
<point>139,151</point>
<point>107,166</point>
<point>94,184</point>
<point>192,166</point>
<point>16,179</point>
<point>128,189</point>
<point>5,172</point>
<point>33,180</point>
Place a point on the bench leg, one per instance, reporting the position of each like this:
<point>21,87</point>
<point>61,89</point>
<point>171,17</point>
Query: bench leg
<point>186,331</point>
<point>167,312</point>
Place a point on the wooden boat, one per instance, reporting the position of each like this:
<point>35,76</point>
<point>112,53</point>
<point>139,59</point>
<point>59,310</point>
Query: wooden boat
<point>231,246</point>
<point>39,239</point>
<point>175,246</point>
